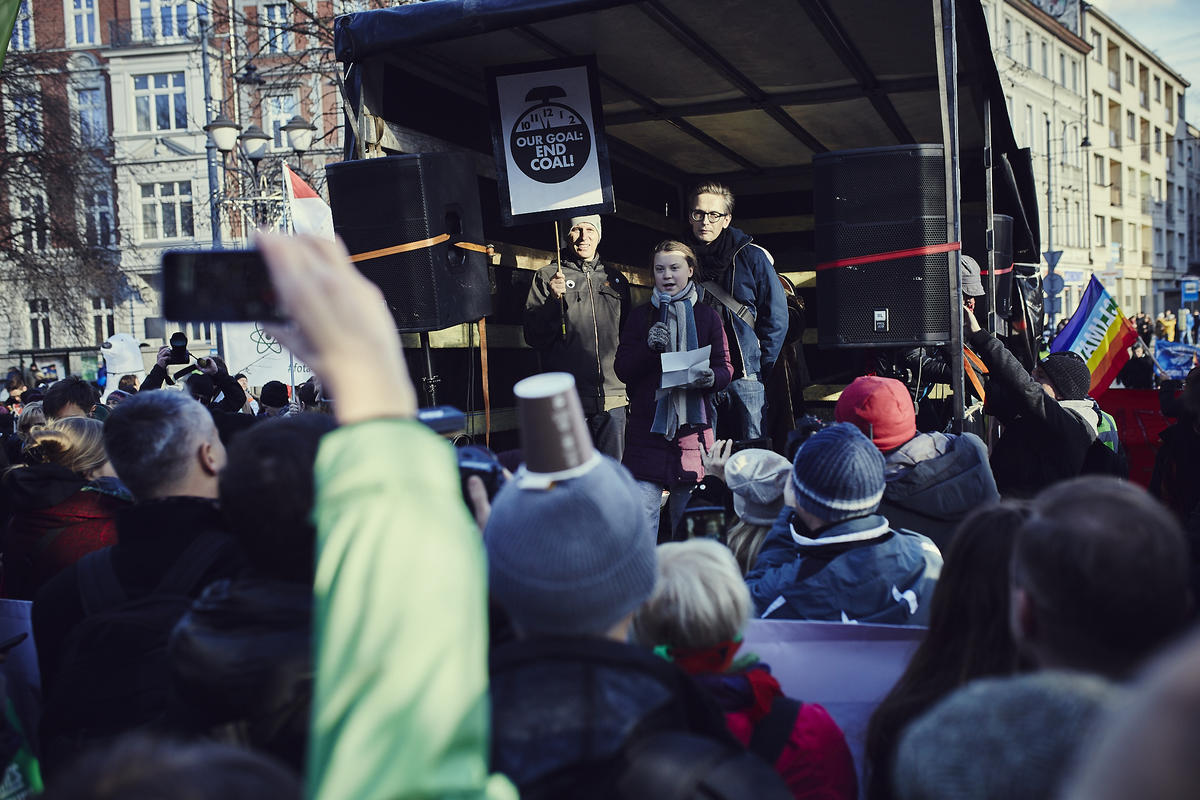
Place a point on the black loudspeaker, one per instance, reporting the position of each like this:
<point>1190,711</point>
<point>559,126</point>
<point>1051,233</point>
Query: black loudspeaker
<point>381,203</point>
<point>872,201</point>
<point>975,245</point>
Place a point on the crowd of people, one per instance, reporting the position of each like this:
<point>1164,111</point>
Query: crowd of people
<point>294,598</point>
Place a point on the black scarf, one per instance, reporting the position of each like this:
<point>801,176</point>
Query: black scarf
<point>716,257</point>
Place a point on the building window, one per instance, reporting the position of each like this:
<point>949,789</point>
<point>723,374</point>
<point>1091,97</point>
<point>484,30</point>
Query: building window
<point>82,24</point>
<point>1008,40</point>
<point>1098,169</point>
<point>39,323</point>
<point>1097,108</point>
<point>1074,76</point>
<point>278,110</point>
<point>1157,140</point>
<point>165,18</point>
<point>160,101</point>
<point>1130,125</point>
<point>1045,59</point>
<point>22,35</point>
<point>26,122</point>
<point>275,30</point>
<point>1062,68</point>
<point>1029,49</point>
<point>1158,184</point>
<point>1157,89</point>
<point>98,217</point>
<point>93,117</point>
<point>1029,132</point>
<point>167,210</point>
<point>103,319</point>
<point>1100,229</point>
<point>33,229</point>
<point>1129,69</point>
<point>1097,50</point>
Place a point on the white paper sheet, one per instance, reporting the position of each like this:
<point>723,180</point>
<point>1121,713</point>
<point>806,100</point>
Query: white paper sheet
<point>680,368</point>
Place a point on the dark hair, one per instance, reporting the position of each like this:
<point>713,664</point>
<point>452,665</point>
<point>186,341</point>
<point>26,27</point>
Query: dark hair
<point>139,767</point>
<point>72,389</point>
<point>672,246</point>
<point>267,493</point>
<point>1105,566</point>
<point>151,438</point>
<point>968,634</point>
<point>128,383</point>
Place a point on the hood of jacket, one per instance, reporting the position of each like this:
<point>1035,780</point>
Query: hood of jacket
<point>956,479</point>
<point>39,486</point>
<point>1086,410</point>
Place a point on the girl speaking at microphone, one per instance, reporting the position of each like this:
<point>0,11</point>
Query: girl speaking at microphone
<point>670,421</point>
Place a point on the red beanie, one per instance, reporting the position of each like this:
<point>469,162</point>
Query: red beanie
<point>879,407</point>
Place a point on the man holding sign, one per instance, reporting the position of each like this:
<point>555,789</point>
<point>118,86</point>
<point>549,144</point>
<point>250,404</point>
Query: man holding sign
<point>573,318</point>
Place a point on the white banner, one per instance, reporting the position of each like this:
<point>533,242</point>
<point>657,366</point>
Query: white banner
<point>254,352</point>
<point>548,136</point>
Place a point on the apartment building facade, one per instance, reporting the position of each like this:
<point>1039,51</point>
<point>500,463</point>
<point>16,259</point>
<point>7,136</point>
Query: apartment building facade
<point>132,77</point>
<point>1139,200</point>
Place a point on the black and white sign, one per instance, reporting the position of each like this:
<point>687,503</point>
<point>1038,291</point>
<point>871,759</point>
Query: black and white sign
<point>548,138</point>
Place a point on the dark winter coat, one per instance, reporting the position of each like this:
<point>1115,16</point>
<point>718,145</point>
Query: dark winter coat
<point>1044,441</point>
<point>593,310</point>
<point>933,495</point>
<point>1176,478</point>
<point>856,570</point>
<point>241,661</point>
<point>562,702</point>
<point>151,536</point>
<point>57,518</point>
<point>649,456</point>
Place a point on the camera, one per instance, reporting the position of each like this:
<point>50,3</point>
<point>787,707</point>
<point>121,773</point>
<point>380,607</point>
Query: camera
<point>476,460</point>
<point>179,351</point>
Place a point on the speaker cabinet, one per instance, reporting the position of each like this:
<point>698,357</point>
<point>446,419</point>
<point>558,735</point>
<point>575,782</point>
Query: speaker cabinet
<point>881,200</point>
<point>975,245</point>
<point>380,203</point>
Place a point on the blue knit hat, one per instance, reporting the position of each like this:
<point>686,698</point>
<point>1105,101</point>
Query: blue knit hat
<point>838,474</point>
<point>572,557</point>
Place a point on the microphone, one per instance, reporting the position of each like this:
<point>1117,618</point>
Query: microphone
<point>664,307</point>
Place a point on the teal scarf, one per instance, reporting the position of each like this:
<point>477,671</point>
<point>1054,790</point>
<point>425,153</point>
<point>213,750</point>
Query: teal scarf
<point>680,405</point>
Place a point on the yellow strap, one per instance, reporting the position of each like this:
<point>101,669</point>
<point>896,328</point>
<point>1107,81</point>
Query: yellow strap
<point>410,246</point>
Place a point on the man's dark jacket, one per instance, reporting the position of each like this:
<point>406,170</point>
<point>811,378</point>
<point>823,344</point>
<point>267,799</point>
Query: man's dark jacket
<point>593,311</point>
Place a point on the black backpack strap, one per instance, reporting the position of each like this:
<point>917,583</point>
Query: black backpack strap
<point>99,588</point>
<point>193,563</point>
<point>775,729</point>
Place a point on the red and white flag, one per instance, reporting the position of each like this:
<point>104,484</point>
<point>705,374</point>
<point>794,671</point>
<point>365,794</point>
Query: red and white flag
<point>309,213</point>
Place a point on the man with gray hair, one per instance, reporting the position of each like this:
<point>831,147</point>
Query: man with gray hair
<point>165,448</point>
<point>573,318</point>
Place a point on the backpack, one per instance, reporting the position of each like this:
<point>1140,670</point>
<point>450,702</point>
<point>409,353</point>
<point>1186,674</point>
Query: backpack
<point>114,674</point>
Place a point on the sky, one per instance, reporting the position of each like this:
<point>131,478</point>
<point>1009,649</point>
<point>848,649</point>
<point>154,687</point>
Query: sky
<point>1169,28</point>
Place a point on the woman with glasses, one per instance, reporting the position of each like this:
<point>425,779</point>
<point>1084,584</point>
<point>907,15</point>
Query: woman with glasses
<point>670,420</point>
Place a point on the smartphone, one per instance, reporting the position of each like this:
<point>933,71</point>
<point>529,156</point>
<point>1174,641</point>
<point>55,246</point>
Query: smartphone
<point>217,286</point>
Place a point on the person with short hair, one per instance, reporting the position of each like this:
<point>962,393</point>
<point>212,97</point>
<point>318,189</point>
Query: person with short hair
<point>741,283</point>
<point>695,618</point>
<point>1099,578</point>
<point>573,318</point>
<point>129,384</point>
<point>832,557</point>
<point>933,479</point>
<point>70,397</point>
<point>273,400</point>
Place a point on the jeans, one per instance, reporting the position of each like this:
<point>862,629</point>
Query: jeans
<point>739,410</point>
<point>608,431</point>
<point>652,502</point>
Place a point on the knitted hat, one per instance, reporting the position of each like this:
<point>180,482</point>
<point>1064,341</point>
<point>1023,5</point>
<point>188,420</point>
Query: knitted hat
<point>972,285</point>
<point>573,558</point>
<point>879,407</point>
<point>838,474</point>
<point>274,394</point>
<point>591,219</point>
<point>1069,374</point>
<point>200,385</point>
<point>1001,738</point>
<point>757,479</point>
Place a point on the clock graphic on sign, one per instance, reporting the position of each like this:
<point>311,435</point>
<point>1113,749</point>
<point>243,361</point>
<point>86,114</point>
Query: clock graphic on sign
<point>550,141</point>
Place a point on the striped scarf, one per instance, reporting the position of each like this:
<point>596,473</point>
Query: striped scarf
<point>680,405</point>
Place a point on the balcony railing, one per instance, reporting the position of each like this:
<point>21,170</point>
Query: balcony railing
<point>149,31</point>
<point>1114,80</point>
<point>1144,99</point>
<point>1115,195</point>
<point>1170,212</point>
<point>1147,259</point>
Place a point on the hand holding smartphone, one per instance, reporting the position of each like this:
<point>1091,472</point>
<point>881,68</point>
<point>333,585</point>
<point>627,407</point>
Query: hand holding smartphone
<point>217,286</point>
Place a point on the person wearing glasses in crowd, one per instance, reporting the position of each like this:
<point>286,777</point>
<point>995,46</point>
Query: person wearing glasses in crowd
<point>740,282</point>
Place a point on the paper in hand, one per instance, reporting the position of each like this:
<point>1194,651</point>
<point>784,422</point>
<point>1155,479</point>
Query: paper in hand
<point>681,368</point>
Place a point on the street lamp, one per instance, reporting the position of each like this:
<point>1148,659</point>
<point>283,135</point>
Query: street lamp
<point>299,134</point>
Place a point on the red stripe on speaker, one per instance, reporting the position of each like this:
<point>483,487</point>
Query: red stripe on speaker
<point>927,250</point>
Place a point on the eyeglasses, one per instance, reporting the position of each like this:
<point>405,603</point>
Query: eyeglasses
<point>713,216</point>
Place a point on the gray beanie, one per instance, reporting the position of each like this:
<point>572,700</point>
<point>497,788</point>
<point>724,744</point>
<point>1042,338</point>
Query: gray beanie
<point>1001,738</point>
<point>972,283</point>
<point>591,219</point>
<point>573,558</point>
<point>757,479</point>
<point>838,474</point>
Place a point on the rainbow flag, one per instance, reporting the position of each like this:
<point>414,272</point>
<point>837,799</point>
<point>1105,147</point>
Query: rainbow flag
<point>1099,332</point>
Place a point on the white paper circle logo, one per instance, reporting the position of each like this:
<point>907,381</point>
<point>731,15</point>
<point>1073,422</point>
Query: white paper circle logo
<point>550,142</point>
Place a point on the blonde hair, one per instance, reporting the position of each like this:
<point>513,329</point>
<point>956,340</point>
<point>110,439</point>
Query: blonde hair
<point>745,540</point>
<point>31,418</point>
<point>712,187</point>
<point>672,246</point>
<point>700,599</point>
<point>76,443</point>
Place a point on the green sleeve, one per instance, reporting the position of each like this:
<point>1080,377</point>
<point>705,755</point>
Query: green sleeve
<point>400,702</point>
